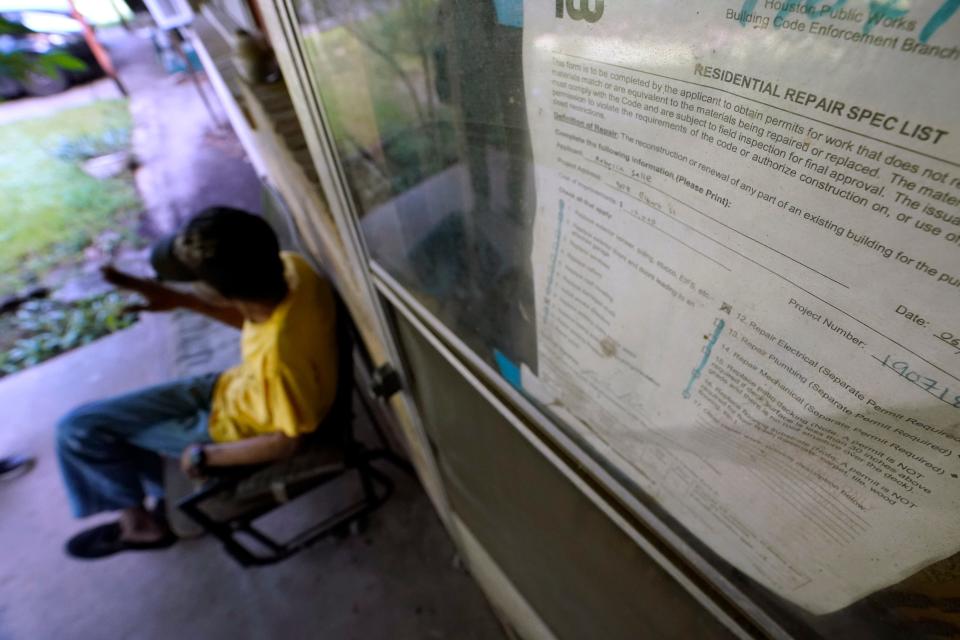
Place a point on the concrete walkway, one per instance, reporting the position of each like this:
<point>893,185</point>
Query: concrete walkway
<point>190,158</point>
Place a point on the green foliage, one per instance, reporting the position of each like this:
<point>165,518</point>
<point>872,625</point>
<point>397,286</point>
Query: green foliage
<point>47,328</point>
<point>50,62</point>
<point>391,118</point>
<point>12,28</point>
<point>17,64</point>
<point>408,29</point>
<point>51,208</point>
<point>415,154</point>
<point>14,64</point>
<point>90,145</point>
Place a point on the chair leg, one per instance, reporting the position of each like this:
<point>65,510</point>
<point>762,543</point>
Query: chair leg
<point>366,482</point>
<point>220,531</point>
<point>376,487</point>
<point>389,455</point>
<point>371,477</point>
<point>261,537</point>
<point>385,452</point>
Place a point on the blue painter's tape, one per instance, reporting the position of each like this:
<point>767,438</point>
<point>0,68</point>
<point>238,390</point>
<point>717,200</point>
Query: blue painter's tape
<point>509,12</point>
<point>508,369</point>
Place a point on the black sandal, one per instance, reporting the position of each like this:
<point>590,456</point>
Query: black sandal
<point>15,466</point>
<point>106,540</point>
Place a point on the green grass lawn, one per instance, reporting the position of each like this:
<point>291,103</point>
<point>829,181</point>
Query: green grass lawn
<point>49,208</point>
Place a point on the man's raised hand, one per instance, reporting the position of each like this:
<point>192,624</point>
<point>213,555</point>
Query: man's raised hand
<point>158,297</point>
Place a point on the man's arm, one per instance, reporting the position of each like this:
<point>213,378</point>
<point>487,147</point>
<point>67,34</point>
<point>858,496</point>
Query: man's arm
<point>161,298</point>
<point>256,450</point>
<point>226,315</point>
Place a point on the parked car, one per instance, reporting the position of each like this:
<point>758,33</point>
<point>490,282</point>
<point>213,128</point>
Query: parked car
<point>45,31</point>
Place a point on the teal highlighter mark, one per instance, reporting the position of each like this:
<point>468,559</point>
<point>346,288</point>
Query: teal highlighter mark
<point>881,10</point>
<point>944,13</point>
<point>553,262</point>
<point>878,11</point>
<point>508,369</point>
<point>706,357</point>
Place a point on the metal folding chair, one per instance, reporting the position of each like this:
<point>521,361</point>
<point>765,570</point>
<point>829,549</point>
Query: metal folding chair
<point>227,505</point>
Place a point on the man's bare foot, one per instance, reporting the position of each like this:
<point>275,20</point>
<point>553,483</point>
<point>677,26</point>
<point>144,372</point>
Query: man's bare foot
<point>140,525</point>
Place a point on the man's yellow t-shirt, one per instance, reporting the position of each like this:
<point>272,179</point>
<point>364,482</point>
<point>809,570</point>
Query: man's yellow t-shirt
<point>288,377</point>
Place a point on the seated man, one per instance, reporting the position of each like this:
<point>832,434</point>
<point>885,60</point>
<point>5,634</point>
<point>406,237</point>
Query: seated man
<point>110,451</point>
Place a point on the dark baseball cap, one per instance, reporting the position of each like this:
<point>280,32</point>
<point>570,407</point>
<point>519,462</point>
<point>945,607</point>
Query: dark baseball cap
<point>167,265</point>
<point>234,251</point>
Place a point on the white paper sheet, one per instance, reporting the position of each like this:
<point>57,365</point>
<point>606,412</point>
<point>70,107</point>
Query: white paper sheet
<point>747,269</point>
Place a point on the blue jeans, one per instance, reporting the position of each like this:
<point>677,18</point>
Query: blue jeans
<point>110,450</point>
